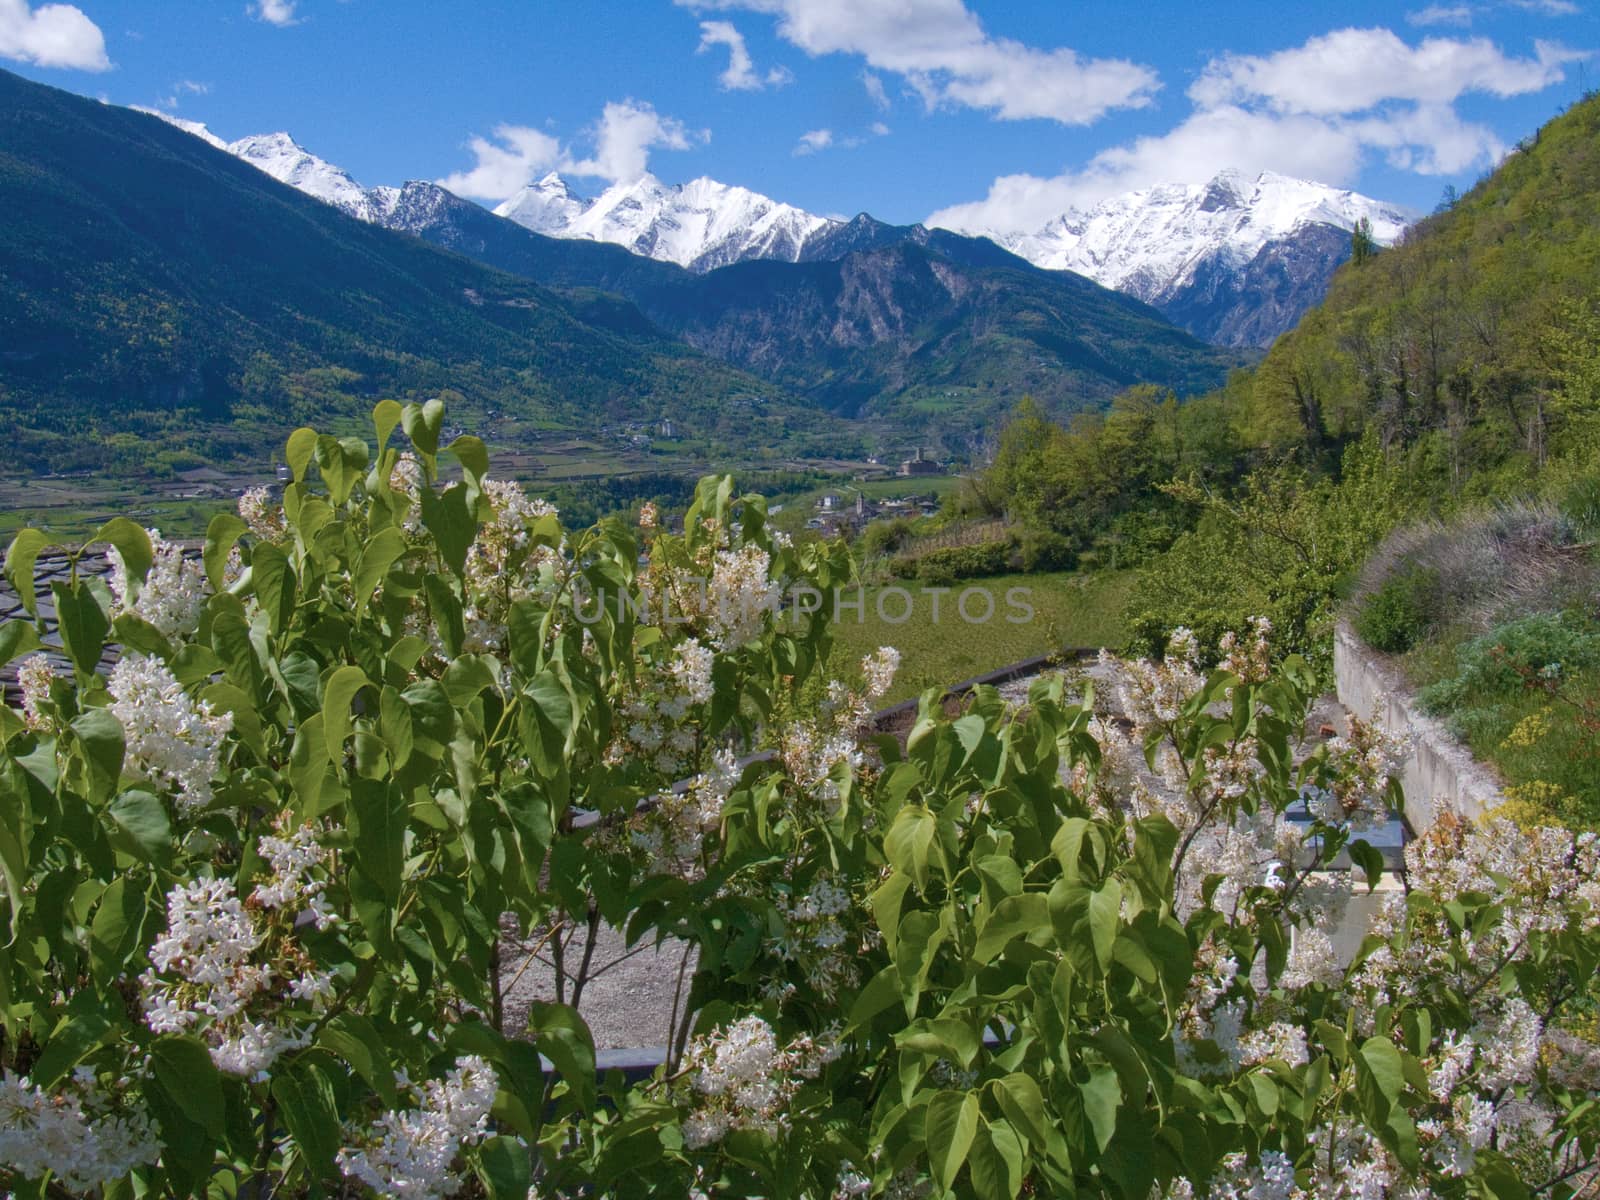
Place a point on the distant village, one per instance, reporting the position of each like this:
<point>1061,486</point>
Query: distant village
<point>842,511</point>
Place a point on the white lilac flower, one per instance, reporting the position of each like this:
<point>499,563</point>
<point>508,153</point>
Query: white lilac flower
<point>34,677</point>
<point>291,884</point>
<point>262,515</point>
<point>78,1134</point>
<point>172,593</point>
<point>879,669</point>
<point>692,671</point>
<point>412,1154</point>
<point>741,1079</point>
<point>170,739</point>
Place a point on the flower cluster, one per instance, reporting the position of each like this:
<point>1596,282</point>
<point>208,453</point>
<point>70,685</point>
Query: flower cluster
<point>500,570</point>
<point>742,1080</point>
<point>82,1136</point>
<point>412,1153</point>
<point>34,677</point>
<point>170,739</point>
<point>652,727</point>
<point>816,937</point>
<point>813,748</point>
<point>672,832</point>
<point>1156,693</point>
<point>1249,661</point>
<point>262,515</point>
<point>1360,766</point>
<point>171,595</point>
<point>232,970</point>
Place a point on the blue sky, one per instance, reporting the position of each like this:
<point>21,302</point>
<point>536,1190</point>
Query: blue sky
<point>991,114</point>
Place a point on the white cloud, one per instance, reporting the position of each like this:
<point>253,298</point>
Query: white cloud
<point>1350,70</point>
<point>184,87</point>
<point>879,129</point>
<point>875,90</point>
<point>52,35</point>
<point>623,138</point>
<point>741,74</point>
<point>626,134</point>
<point>815,140</point>
<point>521,156</point>
<point>1442,14</point>
<point>1548,8</point>
<point>276,12</point>
<point>942,51</point>
<point>1464,14</point>
<point>1317,111</point>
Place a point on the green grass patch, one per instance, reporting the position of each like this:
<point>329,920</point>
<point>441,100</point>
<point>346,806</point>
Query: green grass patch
<point>1068,610</point>
<point>1537,737</point>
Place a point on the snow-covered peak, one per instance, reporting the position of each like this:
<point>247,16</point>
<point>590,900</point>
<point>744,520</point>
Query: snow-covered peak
<point>194,128</point>
<point>280,156</point>
<point>1149,242</point>
<point>548,206</point>
<point>700,224</point>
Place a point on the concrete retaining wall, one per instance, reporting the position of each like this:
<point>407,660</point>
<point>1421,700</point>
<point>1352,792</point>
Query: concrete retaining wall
<point>1441,773</point>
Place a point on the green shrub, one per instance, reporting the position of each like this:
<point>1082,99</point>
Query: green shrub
<point>1551,644</point>
<point>1397,616</point>
<point>1042,550</point>
<point>940,568</point>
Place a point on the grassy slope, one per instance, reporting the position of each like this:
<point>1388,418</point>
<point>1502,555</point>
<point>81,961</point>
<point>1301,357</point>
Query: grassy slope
<point>1070,610</point>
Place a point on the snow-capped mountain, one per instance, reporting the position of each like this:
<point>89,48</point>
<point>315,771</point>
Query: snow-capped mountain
<point>701,225</point>
<point>1150,242</point>
<point>280,156</point>
<point>1234,260</point>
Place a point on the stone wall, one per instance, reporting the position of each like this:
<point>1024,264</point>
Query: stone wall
<point>1441,772</point>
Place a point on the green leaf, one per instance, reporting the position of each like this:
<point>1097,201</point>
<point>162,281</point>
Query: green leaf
<point>81,1029</point>
<point>1369,859</point>
<point>99,736</point>
<point>306,1103</point>
<point>222,534</point>
<point>422,423</point>
<point>114,934</point>
<point>16,639</point>
<point>909,841</point>
<point>380,554</point>
<point>1105,914</point>
<point>995,1163</point>
<point>272,578</point>
<point>473,456</point>
<point>355,1040</point>
<point>1102,1093</point>
<point>505,1168</point>
<point>132,542</point>
<point>1013,917</point>
<point>380,812</point>
<point>297,451</point>
<point>452,522</point>
<point>386,415</point>
<point>21,556</point>
<point>83,624</point>
<point>943,1037</point>
<point>142,819</point>
<point>561,1035</point>
<point>1380,1078</point>
<point>187,1075</point>
<point>1023,1105</point>
<point>343,462</point>
<point>337,697</point>
<point>952,1123</point>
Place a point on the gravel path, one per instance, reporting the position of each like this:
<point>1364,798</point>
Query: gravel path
<point>628,999</point>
